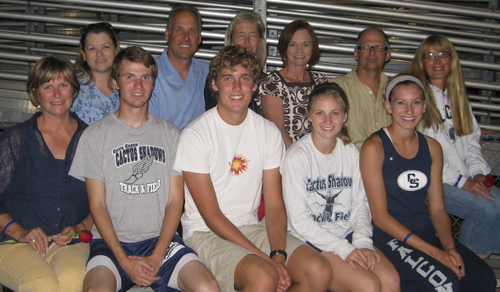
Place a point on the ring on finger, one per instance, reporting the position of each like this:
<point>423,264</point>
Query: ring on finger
<point>33,240</point>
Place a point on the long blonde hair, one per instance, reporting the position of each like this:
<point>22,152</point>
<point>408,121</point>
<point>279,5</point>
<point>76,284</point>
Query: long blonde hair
<point>460,108</point>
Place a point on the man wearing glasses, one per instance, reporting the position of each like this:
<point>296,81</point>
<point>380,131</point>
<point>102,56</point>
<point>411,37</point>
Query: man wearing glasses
<point>364,85</point>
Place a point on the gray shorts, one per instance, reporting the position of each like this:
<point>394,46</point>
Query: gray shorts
<point>222,256</point>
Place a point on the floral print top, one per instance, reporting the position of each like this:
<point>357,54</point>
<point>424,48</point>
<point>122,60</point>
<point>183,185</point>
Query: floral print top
<point>91,104</point>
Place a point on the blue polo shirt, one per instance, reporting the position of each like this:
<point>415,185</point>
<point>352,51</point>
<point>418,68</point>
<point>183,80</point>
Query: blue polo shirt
<point>174,100</point>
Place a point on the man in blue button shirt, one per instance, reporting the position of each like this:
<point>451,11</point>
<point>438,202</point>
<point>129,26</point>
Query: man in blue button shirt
<point>178,92</point>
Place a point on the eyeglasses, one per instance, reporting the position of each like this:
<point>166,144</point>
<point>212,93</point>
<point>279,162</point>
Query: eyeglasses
<point>441,55</point>
<point>368,48</point>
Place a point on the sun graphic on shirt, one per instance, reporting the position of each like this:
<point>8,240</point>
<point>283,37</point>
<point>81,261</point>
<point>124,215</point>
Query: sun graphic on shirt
<point>239,165</point>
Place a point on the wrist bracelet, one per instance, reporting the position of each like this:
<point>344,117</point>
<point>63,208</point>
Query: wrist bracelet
<point>408,236</point>
<point>84,226</point>
<point>278,251</point>
<point>7,226</point>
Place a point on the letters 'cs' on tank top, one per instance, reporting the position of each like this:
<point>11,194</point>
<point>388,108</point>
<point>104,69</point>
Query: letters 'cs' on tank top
<point>406,183</point>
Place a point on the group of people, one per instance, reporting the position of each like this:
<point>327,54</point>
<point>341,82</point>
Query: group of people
<point>336,218</point>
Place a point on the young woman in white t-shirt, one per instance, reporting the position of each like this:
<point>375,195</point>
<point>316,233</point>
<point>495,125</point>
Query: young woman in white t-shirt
<point>326,201</point>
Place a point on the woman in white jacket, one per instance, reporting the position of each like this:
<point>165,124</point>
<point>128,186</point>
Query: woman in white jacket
<point>449,120</point>
<point>326,201</point>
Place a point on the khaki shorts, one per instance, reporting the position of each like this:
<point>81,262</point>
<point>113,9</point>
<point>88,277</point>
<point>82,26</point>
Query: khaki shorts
<point>222,256</point>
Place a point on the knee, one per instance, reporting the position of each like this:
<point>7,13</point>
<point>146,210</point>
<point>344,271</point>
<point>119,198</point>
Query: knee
<point>101,289</point>
<point>255,274</point>
<point>71,279</point>
<point>208,286</point>
<point>264,279</point>
<point>488,212</point>
<point>90,287</point>
<point>47,283</point>
<point>370,284</point>
<point>318,273</point>
<point>93,289</point>
<point>390,281</point>
<point>99,279</point>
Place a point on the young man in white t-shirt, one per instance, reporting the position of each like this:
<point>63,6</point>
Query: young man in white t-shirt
<point>135,196</point>
<point>228,156</point>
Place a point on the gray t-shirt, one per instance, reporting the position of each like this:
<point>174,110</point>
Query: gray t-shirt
<point>136,165</point>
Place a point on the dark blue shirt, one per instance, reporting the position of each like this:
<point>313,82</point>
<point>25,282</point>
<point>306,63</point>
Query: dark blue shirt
<point>35,188</point>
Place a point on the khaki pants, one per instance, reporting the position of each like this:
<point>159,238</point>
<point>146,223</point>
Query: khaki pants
<point>62,269</point>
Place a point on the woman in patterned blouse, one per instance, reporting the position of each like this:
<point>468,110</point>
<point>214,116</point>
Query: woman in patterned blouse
<point>98,48</point>
<point>284,94</point>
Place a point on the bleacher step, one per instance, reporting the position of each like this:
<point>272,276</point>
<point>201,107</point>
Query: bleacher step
<point>494,263</point>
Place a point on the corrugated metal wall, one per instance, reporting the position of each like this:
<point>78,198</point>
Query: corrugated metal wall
<point>31,29</point>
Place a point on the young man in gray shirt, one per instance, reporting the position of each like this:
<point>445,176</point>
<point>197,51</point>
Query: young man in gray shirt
<point>134,194</point>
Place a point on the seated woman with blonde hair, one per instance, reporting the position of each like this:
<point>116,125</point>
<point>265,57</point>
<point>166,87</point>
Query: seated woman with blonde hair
<point>450,121</point>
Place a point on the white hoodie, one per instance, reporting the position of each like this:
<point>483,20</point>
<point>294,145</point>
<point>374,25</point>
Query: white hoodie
<point>462,154</point>
<point>325,198</point>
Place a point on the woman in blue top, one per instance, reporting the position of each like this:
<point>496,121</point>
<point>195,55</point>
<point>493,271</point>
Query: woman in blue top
<point>400,169</point>
<point>38,198</point>
<point>97,97</point>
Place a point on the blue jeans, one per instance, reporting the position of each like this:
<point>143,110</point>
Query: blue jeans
<point>481,227</point>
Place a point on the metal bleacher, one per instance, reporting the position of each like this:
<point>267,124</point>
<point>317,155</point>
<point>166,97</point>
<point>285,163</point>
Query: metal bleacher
<point>30,30</point>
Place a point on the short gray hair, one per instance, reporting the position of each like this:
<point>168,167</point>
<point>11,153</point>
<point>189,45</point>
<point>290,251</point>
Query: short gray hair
<point>358,39</point>
<point>180,8</point>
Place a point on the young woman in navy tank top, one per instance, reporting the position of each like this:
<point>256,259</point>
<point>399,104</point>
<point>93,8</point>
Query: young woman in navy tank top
<point>402,174</point>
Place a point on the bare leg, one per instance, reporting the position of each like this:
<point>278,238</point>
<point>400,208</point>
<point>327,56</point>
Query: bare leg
<point>255,274</point>
<point>387,274</point>
<point>310,271</point>
<point>99,279</point>
<point>194,276</point>
<point>383,278</point>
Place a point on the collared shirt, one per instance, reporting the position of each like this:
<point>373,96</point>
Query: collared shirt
<point>91,104</point>
<point>35,188</point>
<point>174,100</point>
<point>366,113</point>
